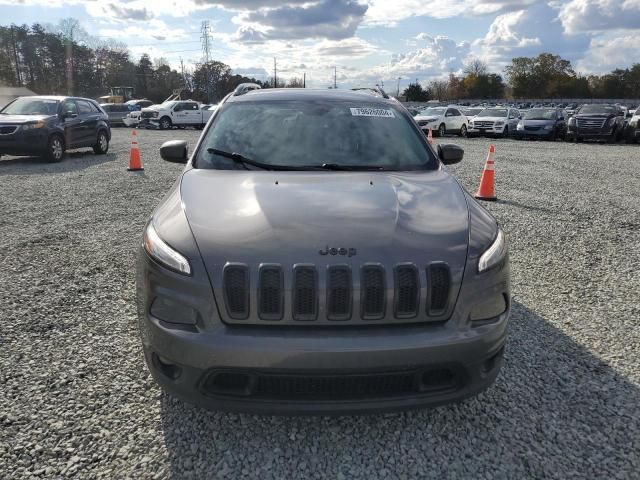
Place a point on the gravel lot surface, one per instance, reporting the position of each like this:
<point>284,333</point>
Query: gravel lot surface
<point>77,401</point>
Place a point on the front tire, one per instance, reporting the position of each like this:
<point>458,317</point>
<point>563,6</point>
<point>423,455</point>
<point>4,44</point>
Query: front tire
<point>55,149</point>
<point>165,123</point>
<point>463,130</point>
<point>442,130</point>
<point>102,143</point>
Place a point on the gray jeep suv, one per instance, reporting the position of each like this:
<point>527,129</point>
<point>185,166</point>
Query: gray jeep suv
<point>315,256</point>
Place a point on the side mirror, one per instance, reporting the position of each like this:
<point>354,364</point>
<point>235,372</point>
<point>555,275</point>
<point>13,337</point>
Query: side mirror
<point>450,154</point>
<point>175,151</point>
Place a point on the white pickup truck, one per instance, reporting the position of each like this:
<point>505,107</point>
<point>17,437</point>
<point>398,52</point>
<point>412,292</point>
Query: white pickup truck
<point>176,113</point>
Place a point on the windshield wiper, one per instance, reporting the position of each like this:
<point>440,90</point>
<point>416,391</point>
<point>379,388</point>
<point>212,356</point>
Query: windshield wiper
<point>336,166</point>
<point>244,161</point>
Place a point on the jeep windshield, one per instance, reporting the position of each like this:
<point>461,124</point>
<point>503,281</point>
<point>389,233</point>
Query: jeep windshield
<point>493,112</point>
<point>597,110</point>
<point>31,106</point>
<point>303,135</point>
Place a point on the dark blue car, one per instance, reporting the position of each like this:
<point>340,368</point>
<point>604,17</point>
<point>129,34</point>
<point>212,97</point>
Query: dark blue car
<point>47,126</point>
<point>543,123</point>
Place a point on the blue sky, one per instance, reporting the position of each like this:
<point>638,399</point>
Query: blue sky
<point>367,40</point>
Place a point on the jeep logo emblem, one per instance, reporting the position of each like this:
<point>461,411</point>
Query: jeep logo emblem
<point>349,252</point>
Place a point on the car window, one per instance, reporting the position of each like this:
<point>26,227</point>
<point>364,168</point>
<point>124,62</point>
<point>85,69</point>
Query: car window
<point>432,111</point>
<point>69,106</point>
<point>84,107</point>
<point>597,109</point>
<point>455,113</point>
<point>192,106</point>
<point>493,112</point>
<point>313,133</point>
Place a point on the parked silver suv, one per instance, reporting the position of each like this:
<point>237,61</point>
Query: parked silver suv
<point>316,256</point>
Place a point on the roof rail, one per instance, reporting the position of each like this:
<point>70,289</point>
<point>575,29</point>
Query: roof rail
<point>376,91</point>
<point>244,88</point>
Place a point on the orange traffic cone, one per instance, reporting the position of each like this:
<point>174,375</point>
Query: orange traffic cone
<point>430,137</point>
<point>486,190</point>
<point>135,164</point>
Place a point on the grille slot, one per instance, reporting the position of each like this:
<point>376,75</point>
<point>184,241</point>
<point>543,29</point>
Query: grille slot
<point>407,291</point>
<point>483,124</point>
<point>439,287</point>
<point>305,297</point>
<point>339,293</point>
<point>270,293</point>
<point>236,291</point>
<point>591,123</point>
<point>373,292</point>
<point>330,387</point>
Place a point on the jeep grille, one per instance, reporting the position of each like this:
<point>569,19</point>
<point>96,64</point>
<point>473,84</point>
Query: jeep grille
<point>336,294</point>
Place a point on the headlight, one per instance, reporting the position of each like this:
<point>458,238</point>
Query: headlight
<point>548,127</point>
<point>633,122</point>
<point>154,114</point>
<point>163,253</point>
<point>572,121</point>
<point>611,121</point>
<point>471,123</point>
<point>33,125</point>
<point>494,254</point>
<point>520,126</point>
<point>499,124</point>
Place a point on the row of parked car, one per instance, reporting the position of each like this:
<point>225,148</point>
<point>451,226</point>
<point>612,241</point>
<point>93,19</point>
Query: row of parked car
<point>172,113</point>
<point>600,122</point>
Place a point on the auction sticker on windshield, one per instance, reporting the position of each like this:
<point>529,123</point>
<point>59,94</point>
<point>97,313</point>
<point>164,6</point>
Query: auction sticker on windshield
<point>372,112</point>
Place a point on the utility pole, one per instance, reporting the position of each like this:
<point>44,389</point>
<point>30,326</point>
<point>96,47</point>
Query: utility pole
<point>335,77</point>
<point>204,38</point>
<point>304,80</point>
<point>398,89</point>
<point>275,73</point>
<point>184,79</point>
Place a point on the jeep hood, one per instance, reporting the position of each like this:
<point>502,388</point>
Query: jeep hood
<point>255,217</point>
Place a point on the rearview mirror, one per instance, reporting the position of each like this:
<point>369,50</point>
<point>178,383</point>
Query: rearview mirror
<point>174,151</point>
<point>450,154</point>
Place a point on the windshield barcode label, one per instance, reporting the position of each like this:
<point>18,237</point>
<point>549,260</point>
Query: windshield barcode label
<point>372,112</point>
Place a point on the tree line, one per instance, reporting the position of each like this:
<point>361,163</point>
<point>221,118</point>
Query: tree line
<point>65,59</point>
<point>543,76</point>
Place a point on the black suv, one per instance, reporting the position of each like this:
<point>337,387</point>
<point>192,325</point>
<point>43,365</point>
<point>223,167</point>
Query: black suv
<point>47,126</point>
<point>596,122</point>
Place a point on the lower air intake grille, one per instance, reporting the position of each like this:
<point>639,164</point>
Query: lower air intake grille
<point>305,286</point>
<point>335,387</point>
<point>373,292</point>
<point>440,284</point>
<point>270,295</point>
<point>236,291</point>
<point>339,293</point>
<point>407,291</point>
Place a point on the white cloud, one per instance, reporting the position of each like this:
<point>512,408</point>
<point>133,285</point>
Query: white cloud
<point>528,33</point>
<point>590,15</point>
<point>331,19</point>
<point>607,54</point>
<point>389,13</point>
<point>437,57</point>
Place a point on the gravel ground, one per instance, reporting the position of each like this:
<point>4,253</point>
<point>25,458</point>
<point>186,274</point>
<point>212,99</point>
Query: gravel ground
<point>77,401</point>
